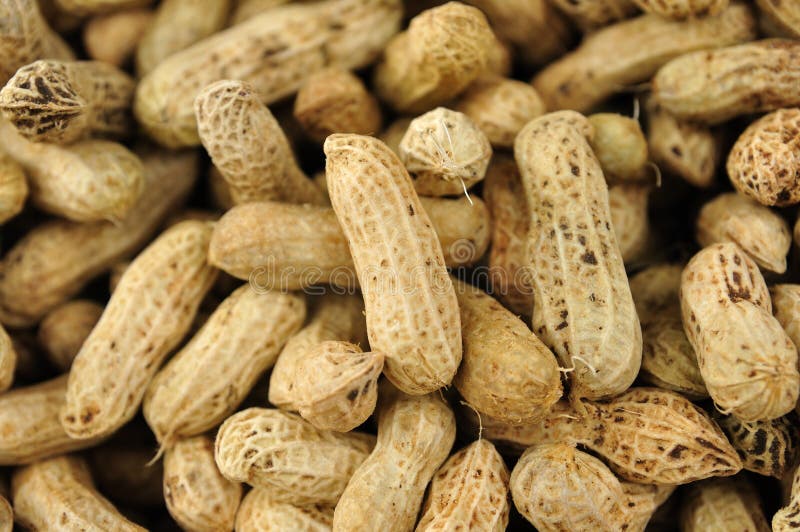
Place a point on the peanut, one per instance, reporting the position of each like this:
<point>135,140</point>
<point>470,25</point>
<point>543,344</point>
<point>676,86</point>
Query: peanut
<point>499,62</point>
<point>415,434</point>
<point>13,188</point>
<point>758,231</point>
<point>336,385</point>
<point>593,14</point>
<point>784,15</point>
<point>722,504</point>
<point>6,515</point>
<point>713,86</point>
<point>766,447</point>
<point>631,52</point>
<point>248,147</point>
<point>198,496</point>
<point>246,9</point>
<point>8,360</point>
<point>688,150</point>
<point>336,101</point>
<point>274,52</point>
<point>445,152</point>
<point>655,290</point>
<point>620,146</point>
<point>747,361</point>
<point>469,491</point>
<point>628,204</point>
<point>55,260</point>
<point>122,471</point>
<point>681,9</point>
<point>87,7</point>
<point>584,311</point>
<point>286,455</point>
<point>506,371</point>
<point>500,107</point>
<point>784,519</point>
<point>113,38</point>
<point>176,25</point>
<point>444,50</point>
<point>416,324</point>
<point>60,490</point>
<point>260,513</point>
<point>786,308</point>
<point>63,331</point>
<point>164,285</point>
<point>764,161</point>
<point>335,318</point>
<point>207,379</point>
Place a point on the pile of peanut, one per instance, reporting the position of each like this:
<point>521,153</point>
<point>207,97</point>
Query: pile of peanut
<point>375,265</point>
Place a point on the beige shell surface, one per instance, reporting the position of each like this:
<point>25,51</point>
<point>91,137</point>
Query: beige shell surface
<point>681,9</point>
<point>761,233</point>
<point>8,360</point>
<point>87,7</point>
<point>768,448</point>
<point>13,188</point>
<point>506,371</point>
<point>763,164</point>
<point>631,51</point>
<point>469,492</point>
<point>786,308</point>
<point>722,504</point>
<point>628,204</point>
<point>620,146</point>
<point>197,495</point>
<point>114,37</point>
<point>259,512</point>
<point>163,286</point>
<point>411,307</point>
<point>210,376</point>
<point>288,456</point>
<point>746,359</point>
<point>583,307</point>
<point>656,289</point>
<point>784,15</point>
<point>594,14</point>
<point>63,331</point>
<point>445,152</point>
<point>716,85</point>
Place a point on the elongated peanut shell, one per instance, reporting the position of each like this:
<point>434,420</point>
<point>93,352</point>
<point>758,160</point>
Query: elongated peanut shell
<point>620,146</point>
<point>8,360</point>
<point>722,504</point>
<point>63,331</point>
<point>583,308</point>
<point>630,52</point>
<point>393,242</point>
<point>766,447</point>
<point>148,314</point>
<point>86,7</point>
<point>746,359</point>
<point>589,15</point>
<point>469,491</point>
<point>60,490</point>
<point>285,454</point>
<point>114,37</point>
<point>207,379</point>
<point>13,188</point>
<point>717,85</point>
<point>681,9</point>
<point>786,308</point>
<point>260,513</point>
<point>655,289</point>
<point>784,15</point>
<point>198,496</point>
<point>627,203</point>
<point>415,434</point>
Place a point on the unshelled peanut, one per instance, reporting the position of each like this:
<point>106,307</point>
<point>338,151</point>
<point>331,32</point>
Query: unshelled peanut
<point>8,360</point>
<point>260,513</point>
<point>63,331</point>
<point>785,16</point>
<point>620,146</point>
<point>681,9</point>
<point>86,7</point>
<point>786,308</point>
<point>765,447</point>
<point>13,188</point>
<point>785,519</point>
<point>113,38</point>
<point>722,504</point>
<point>628,203</point>
<point>6,515</point>
<point>593,14</point>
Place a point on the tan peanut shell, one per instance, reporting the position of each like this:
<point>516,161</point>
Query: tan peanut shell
<point>785,519</point>
<point>583,307</point>
<point>336,317</point>
<point>538,31</point>
<point>500,107</point>
<point>208,378</point>
<point>415,434</point>
<point>176,25</point>
<point>198,496</point>
<point>630,52</point>
<point>506,371</point>
<point>6,515</point>
<point>123,472</point>
<point>392,135</point>
<point>593,14</point>
<point>445,152</point>
<point>148,314</point>
<point>722,504</point>
<point>288,456</point>
<point>785,16</point>
<point>499,62</point>
<point>655,290</point>
<point>88,7</point>
<point>245,9</point>
<point>65,101</point>
<point>59,493</point>
<point>681,9</point>
<point>628,203</point>
<point>393,243</point>
<point>444,50</point>
<point>786,308</point>
<point>248,146</point>
<point>8,360</point>
<point>25,37</point>
<point>113,38</point>
<point>55,260</point>
<point>276,245</point>
<point>689,150</point>
<point>768,448</point>
<point>63,331</point>
<point>30,426</point>
<point>469,492</point>
<point>336,101</point>
<point>713,86</point>
<point>274,52</point>
<point>259,512</point>
<point>620,146</point>
<point>758,231</point>
<point>336,385</point>
<point>763,164</point>
<point>88,181</point>
<point>746,359</point>
<point>13,188</point>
